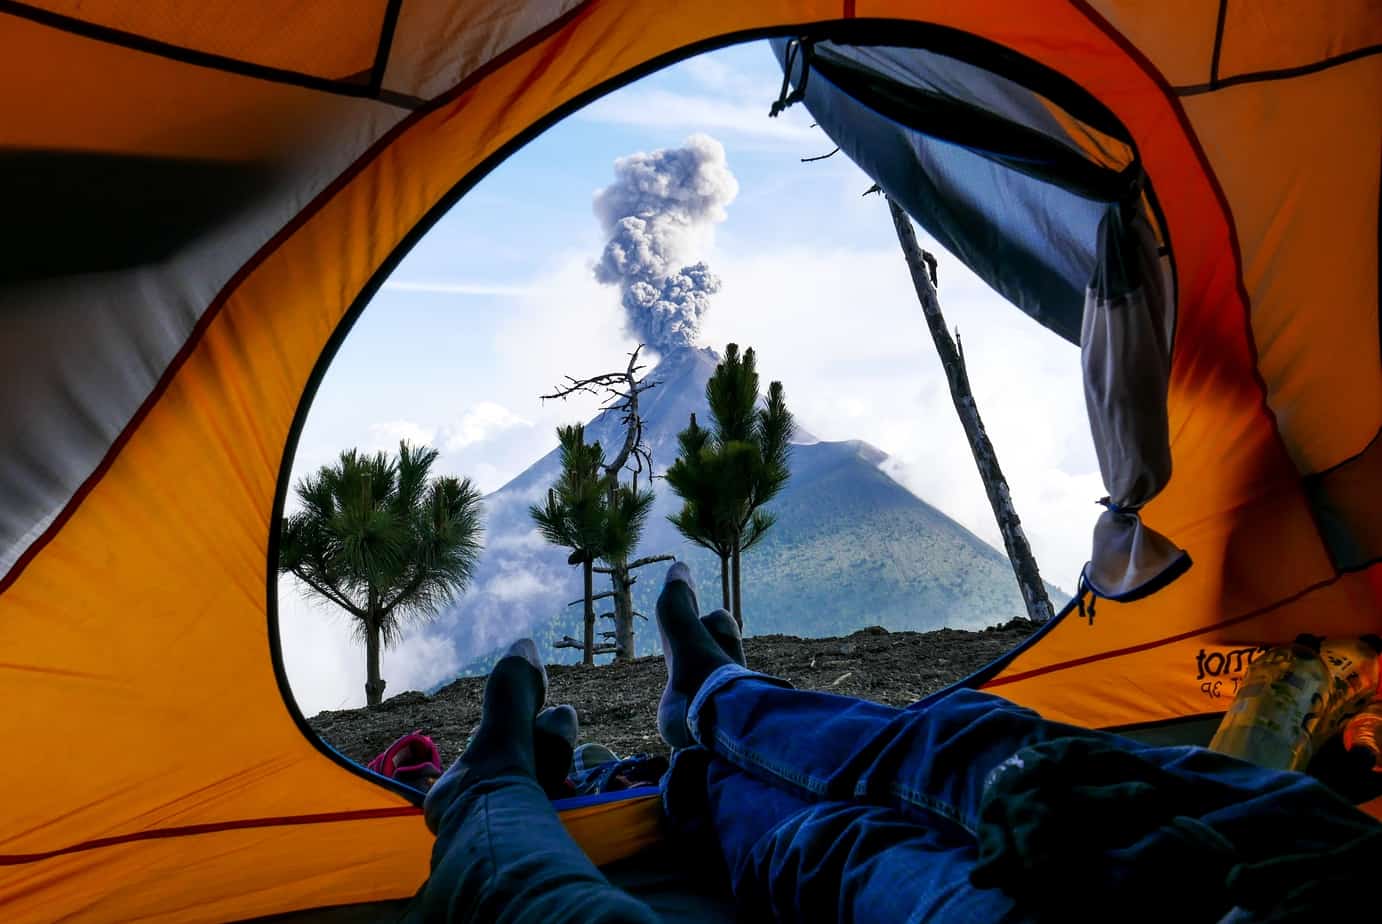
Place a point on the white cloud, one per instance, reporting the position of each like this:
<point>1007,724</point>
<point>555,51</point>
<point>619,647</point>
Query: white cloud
<point>479,423</point>
<point>718,75</point>
<point>531,541</point>
<point>387,435</point>
<point>514,586</point>
<point>444,287</point>
<point>668,109</point>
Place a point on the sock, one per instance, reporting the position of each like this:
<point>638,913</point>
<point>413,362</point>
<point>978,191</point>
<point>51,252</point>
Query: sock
<point>690,651</point>
<point>504,741</point>
<point>725,631</point>
<point>554,741</point>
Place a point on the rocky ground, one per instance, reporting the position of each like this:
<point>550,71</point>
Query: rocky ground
<point>617,703</point>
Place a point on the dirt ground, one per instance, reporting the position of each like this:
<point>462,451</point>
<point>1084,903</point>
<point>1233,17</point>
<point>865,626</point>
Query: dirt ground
<point>617,703</point>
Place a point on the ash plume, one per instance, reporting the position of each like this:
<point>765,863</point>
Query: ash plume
<point>659,208</point>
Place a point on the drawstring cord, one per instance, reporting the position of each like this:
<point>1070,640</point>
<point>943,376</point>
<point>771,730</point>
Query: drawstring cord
<point>1083,587</point>
<point>785,98</point>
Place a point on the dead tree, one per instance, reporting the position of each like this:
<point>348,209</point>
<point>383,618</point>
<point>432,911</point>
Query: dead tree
<point>622,576</point>
<point>923,269</point>
<point>567,641</point>
<point>620,391</point>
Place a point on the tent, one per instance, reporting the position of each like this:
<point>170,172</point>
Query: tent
<point>201,198</point>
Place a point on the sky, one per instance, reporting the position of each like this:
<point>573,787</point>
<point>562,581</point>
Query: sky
<point>499,300</point>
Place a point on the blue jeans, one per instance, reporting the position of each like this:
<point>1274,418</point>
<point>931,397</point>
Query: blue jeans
<point>828,808</point>
<point>502,855</point>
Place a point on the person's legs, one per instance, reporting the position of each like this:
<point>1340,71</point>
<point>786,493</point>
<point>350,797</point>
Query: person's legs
<point>502,854</point>
<point>932,763</point>
<point>937,758</point>
<point>934,758</point>
<point>791,859</point>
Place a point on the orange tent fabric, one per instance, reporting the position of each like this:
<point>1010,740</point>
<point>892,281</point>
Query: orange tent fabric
<point>201,199</point>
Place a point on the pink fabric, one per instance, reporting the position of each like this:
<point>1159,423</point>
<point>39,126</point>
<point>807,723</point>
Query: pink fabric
<point>413,755</point>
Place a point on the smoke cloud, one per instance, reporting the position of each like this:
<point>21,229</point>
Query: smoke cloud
<point>661,206</point>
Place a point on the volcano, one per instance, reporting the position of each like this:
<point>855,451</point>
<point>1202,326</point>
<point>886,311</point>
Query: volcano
<point>851,547</point>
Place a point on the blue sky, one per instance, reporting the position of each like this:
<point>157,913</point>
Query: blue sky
<point>497,300</point>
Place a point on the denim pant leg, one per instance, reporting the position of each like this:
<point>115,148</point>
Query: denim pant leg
<point>793,859</point>
<point>503,855</point>
<point>931,758</point>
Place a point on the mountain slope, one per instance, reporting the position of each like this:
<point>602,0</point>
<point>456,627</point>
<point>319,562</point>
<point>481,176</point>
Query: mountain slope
<point>851,547</point>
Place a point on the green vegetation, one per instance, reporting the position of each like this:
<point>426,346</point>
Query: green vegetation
<point>596,515</point>
<point>380,539</point>
<point>726,473</point>
<point>576,515</point>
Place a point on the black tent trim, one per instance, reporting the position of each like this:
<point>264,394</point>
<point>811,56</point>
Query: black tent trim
<point>381,54</point>
<point>1218,44</point>
<point>1282,73</point>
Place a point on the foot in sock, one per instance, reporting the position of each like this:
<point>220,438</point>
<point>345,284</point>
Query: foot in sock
<point>691,652</point>
<point>503,743</point>
<point>554,741</point>
<point>725,631</point>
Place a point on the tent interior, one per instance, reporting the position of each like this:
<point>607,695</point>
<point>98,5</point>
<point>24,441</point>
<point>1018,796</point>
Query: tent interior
<point>203,201</point>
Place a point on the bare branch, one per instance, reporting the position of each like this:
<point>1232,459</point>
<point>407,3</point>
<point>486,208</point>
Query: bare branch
<point>650,560</point>
<point>812,160</point>
<point>608,593</point>
<point>639,563</point>
<point>569,642</point>
<point>620,391</point>
<point>334,594</point>
<point>633,421</point>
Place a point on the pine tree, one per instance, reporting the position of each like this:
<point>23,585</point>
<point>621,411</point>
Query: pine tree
<point>575,516</point>
<point>706,517</point>
<point>380,539</point>
<point>626,516</point>
<point>624,509</point>
<point>727,473</point>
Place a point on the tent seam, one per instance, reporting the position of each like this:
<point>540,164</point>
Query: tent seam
<point>215,827</point>
<point>1218,44</point>
<point>205,59</point>
<point>1281,73</point>
<point>381,54</point>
